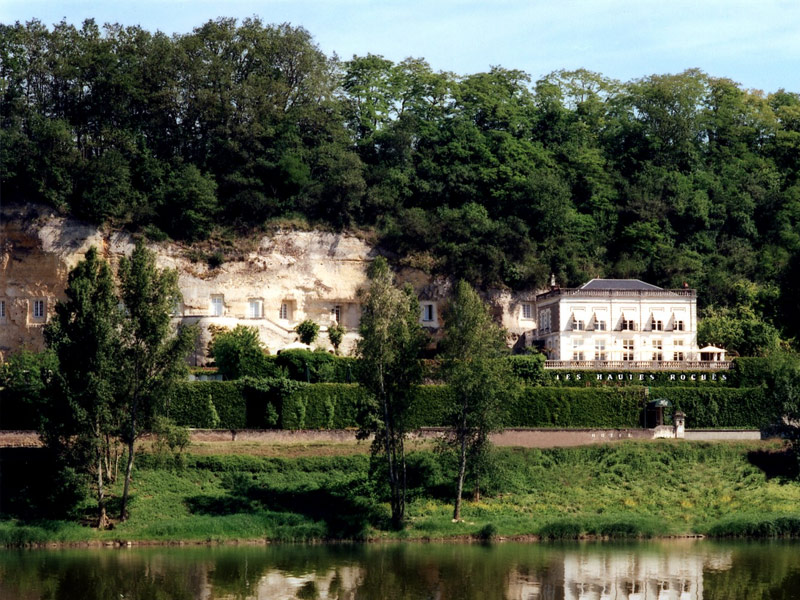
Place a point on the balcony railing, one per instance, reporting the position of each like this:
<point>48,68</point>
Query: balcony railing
<point>687,293</point>
<point>640,365</point>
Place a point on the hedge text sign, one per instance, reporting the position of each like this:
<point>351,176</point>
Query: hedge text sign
<point>644,377</point>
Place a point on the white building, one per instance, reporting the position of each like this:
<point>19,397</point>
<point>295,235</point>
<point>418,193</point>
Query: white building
<point>618,323</point>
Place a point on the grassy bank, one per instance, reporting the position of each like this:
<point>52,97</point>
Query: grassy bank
<point>629,489</point>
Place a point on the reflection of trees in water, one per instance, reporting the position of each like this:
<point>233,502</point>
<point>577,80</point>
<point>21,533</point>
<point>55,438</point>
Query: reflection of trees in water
<point>409,572</point>
<point>761,571</point>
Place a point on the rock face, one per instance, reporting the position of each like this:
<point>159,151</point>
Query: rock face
<point>278,282</point>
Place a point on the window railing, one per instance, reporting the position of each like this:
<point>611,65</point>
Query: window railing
<point>688,293</point>
<point>640,365</point>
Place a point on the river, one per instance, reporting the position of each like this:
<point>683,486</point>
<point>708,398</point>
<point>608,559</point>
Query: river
<point>663,570</point>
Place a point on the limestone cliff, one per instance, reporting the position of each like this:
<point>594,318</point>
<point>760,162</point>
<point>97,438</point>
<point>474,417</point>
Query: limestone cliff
<point>278,281</point>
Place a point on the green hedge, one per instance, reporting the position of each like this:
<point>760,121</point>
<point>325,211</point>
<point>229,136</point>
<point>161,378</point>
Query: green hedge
<point>577,407</point>
<point>428,407</point>
<point>323,406</point>
<point>281,403</point>
<point>750,408</point>
<point>286,404</point>
<point>208,404</point>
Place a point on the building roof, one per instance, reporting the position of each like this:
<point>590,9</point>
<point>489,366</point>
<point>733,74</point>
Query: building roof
<point>618,284</point>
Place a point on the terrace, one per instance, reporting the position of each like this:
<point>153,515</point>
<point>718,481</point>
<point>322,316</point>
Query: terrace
<point>640,365</point>
<point>617,293</point>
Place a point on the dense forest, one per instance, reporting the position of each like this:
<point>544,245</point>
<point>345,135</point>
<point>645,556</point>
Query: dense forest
<point>489,176</point>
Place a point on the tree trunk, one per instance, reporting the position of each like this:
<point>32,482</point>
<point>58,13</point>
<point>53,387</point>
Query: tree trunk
<point>102,518</point>
<point>462,469</point>
<point>403,485</point>
<point>123,511</point>
<point>391,448</point>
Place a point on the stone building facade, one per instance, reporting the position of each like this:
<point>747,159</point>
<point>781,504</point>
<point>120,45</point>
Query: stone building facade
<point>618,323</point>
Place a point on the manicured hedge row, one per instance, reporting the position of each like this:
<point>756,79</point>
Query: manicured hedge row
<point>208,404</point>
<point>577,407</point>
<point>323,406</point>
<point>750,408</point>
<point>281,403</point>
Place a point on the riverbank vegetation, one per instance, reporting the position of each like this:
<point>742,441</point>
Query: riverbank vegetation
<point>625,489</point>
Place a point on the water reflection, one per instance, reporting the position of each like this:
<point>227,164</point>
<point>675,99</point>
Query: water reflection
<point>646,571</point>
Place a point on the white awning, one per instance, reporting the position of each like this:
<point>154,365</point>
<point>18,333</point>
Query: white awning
<point>712,349</point>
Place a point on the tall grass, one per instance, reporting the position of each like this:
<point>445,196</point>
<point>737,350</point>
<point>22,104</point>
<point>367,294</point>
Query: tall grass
<point>621,490</point>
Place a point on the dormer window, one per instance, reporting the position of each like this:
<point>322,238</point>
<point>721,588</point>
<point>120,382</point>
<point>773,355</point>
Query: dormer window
<point>679,326</point>
<point>628,325</point>
<point>657,325</point>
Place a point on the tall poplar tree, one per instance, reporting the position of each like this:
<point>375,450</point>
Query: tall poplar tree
<point>481,382</point>
<point>153,353</point>
<point>391,340</point>
<point>84,335</point>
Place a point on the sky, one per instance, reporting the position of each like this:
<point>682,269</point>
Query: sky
<point>754,42</point>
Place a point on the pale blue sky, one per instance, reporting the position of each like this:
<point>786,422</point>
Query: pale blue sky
<point>754,42</point>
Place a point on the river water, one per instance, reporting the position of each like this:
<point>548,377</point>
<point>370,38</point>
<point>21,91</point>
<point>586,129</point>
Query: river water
<point>665,570</point>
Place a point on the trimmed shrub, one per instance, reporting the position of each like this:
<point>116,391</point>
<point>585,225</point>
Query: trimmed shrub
<point>193,404</point>
<point>323,406</point>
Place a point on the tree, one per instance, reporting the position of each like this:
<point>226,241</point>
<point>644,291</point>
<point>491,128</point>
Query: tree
<point>784,387</point>
<point>391,340</point>
<point>336,335</point>
<point>308,331</point>
<point>153,353</point>
<point>239,353</point>
<point>85,336</point>
<point>480,380</point>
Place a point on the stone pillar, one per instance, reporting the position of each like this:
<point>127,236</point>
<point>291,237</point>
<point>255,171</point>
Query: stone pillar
<point>679,422</point>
